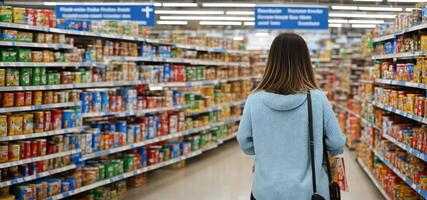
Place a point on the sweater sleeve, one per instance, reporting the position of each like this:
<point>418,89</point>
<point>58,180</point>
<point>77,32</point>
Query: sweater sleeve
<point>335,140</point>
<point>244,134</point>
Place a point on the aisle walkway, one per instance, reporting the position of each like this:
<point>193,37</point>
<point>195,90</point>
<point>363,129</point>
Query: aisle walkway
<point>225,174</point>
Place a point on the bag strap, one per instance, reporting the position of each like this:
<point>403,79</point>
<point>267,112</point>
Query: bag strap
<point>311,140</point>
<point>326,159</point>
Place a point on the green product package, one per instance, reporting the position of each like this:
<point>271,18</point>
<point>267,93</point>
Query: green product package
<point>6,14</point>
<point>57,78</point>
<point>109,170</point>
<point>25,76</point>
<point>43,76</point>
<point>4,55</point>
<point>13,56</point>
<point>24,55</point>
<point>35,79</point>
<point>101,172</point>
<point>50,78</point>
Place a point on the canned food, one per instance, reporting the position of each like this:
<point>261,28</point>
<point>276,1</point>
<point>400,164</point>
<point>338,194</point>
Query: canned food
<point>37,97</point>
<point>19,99</point>
<point>15,124</point>
<point>8,99</point>
<point>34,148</point>
<point>3,125</point>
<point>28,123</point>
<point>47,117</point>
<point>56,119</point>
<point>28,98</point>
<point>14,152</point>
<point>47,97</point>
<point>38,121</point>
<point>4,152</point>
<point>41,147</point>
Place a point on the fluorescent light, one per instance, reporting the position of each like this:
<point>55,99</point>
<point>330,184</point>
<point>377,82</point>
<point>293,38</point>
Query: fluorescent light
<point>49,3</point>
<point>249,23</point>
<point>172,22</point>
<point>340,21</point>
<point>240,12</point>
<point>238,38</point>
<point>366,21</point>
<point>262,34</point>
<point>335,25</point>
<point>363,25</point>
<point>344,7</point>
<point>380,9</point>
<point>410,9</point>
<point>234,5</point>
<point>361,15</point>
<point>369,0</point>
<point>408,1</point>
<point>190,12</point>
<point>180,5</point>
<point>209,18</point>
<point>220,23</point>
<point>157,4</point>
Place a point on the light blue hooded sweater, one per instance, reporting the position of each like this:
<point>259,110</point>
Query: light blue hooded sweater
<point>274,128</point>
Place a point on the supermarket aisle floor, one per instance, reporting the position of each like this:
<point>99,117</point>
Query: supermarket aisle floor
<point>225,174</point>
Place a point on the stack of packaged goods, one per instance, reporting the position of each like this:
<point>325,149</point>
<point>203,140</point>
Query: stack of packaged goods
<point>88,107</point>
<point>395,95</point>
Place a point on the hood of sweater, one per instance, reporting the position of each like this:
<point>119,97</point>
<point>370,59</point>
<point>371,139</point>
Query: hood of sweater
<point>281,102</point>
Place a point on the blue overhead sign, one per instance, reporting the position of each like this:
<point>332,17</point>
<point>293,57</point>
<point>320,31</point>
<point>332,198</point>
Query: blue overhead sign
<point>291,17</point>
<point>142,13</point>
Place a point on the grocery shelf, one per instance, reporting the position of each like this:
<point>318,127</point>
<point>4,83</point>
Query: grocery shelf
<point>407,55</point>
<point>132,173</point>
<point>36,45</point>
<point>51,64</point>
<point>215,108</point>
<point>407,148</point>
<point>373,179</point>
<point>69,32</point>
<point>401,113</point>
<point>36,176</point>
<point>370,124</point>
<point>70,86</point>
<point>40,158</point>
<point>383,38</point>
<point>157,139</point>
<point>40,107</point>
<point>42,134</point>
<point>401,83</point>
<point>366,81</point>
<point>133,112</point>
<point>227,138</point>
<point>402,176</point>
<point>175,60</point>
<point>157,86</point>
<point>414,28</point>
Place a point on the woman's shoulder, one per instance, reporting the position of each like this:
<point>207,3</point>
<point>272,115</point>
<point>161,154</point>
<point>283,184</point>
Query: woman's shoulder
<point>319,94</point>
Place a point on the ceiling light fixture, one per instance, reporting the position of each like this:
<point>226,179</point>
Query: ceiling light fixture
<point>190,12</point>
<point>344,7</point>
<point>380,9</point>
<point>240,12</point>
<point>172,22</point>
<point>407,1</point>
<point>179,4</point>
<point>410,9</point>
<point>207,18</point>
<point>335,25</point>
<point>362,15</point>
<point>238,38</point>
<point>157,4</point>
<point>249,23</point>
<point>366,21</point>
<point>220,23</point>
<point>262,34</point>
<point>369,0</point>
<point>363,25</point>
<point>340,21</point>
<point>49,3</point>
<point>232,5</point>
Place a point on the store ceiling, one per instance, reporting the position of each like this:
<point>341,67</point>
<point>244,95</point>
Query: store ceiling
<point>343,13</point>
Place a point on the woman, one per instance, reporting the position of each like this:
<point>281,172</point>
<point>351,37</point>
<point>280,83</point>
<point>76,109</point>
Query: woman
<point>274,125</point>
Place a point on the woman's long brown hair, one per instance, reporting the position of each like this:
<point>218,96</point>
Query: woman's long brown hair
<point>289,69</point>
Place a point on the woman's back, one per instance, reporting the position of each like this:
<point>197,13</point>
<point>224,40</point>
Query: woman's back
<point>274,127</point>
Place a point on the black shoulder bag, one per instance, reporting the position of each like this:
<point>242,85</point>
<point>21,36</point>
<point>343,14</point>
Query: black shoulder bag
<point>334,189</point>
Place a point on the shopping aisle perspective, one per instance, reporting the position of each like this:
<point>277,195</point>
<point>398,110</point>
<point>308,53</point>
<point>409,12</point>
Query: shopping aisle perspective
<point>200,178</point>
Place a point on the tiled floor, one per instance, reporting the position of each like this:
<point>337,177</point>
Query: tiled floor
<point>225,174</point>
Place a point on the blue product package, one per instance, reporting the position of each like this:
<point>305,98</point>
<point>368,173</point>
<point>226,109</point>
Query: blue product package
<point>97,125</point>
<point>88,56</point>
<point>89,142</point>
<point>136,129</point>
<point>67,118</point>
<point>110,127</point>
<point>389,47</point>
<point>85,99</point>
<point>96,101</point>
<point>96,139</point>
<point>130,135</point>
<point>77,117</point>
<point>65,186</point>
<point>72,182</point>
<point>121,126</point>
<point>166,72</point>
<point>143,152</point>
<point>105,106</point>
